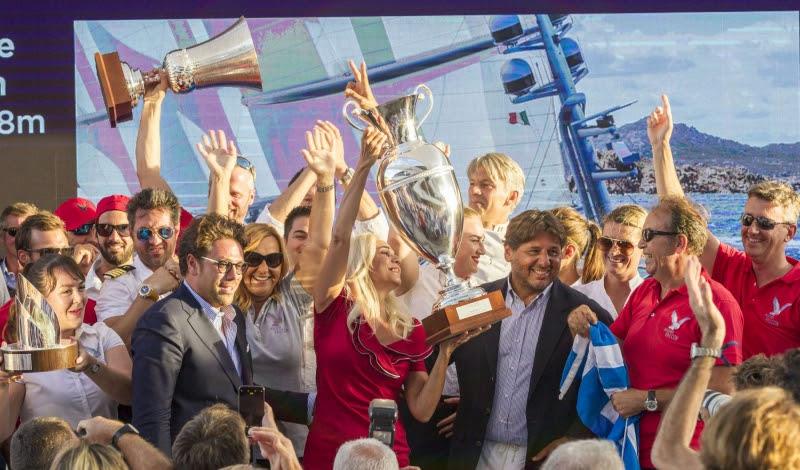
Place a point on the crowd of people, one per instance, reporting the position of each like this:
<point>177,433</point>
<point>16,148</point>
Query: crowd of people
<point>323,307</point>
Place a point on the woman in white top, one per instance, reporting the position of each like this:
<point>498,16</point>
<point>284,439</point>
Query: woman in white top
<point>619,244</point>
<point>101,377</point>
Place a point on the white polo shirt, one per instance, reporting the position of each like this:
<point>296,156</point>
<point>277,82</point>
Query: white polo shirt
<point>493,265</point>
<point>117,295</point>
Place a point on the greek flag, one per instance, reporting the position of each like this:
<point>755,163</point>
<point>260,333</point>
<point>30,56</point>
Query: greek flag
<point>598,360</point>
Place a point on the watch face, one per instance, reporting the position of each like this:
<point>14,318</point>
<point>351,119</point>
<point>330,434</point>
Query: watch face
<point>651,405</point>
<point>144,290</point>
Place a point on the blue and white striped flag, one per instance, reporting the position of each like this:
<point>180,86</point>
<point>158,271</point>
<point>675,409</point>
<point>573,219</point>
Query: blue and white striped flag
<point>598,360</point>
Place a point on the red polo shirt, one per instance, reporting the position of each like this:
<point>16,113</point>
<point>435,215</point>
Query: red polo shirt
<point>771,312</point>
<point>658,336</point>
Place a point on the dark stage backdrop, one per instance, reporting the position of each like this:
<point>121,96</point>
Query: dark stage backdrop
<point>37,83</point>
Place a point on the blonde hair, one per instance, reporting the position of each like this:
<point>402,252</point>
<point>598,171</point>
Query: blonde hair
<point>81,454</point>
<point>19,209</point>
<point>500,168</point>
<point>255,234</point>
<point>757,429</point>
<point>583,234</point>
<point>780,194</point>
<point>629,215</point>
<point>361,288</point>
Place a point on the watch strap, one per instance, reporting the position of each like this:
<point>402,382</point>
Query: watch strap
<point>127,428</point>
<point>699,351</point>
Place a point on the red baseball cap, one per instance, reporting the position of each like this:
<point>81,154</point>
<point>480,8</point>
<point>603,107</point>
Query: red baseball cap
<point>115,202</point>
<point>75,212</point>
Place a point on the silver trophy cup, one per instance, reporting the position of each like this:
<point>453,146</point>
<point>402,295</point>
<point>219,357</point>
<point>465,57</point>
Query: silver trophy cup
<point>418,188</point>
<point>228,59</point>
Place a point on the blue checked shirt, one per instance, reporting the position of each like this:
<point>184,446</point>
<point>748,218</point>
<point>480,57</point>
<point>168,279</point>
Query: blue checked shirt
<point>222,319</point>
<point>519,335</point>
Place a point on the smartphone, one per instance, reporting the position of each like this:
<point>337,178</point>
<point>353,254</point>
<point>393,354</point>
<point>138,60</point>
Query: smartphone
<point>251,404</point>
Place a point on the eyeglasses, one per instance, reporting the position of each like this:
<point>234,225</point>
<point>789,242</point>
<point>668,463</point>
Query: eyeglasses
<point>649,234</point>
<point>246,164</point>
<point>53,251</point>
<point>105,230</point>
<point>254,259</point>
<point>11,231</point>
<point>764,223</point>
<point>83,229</point>
<point>606,244</point>
<point>146,233</point>
<point>224,267</point>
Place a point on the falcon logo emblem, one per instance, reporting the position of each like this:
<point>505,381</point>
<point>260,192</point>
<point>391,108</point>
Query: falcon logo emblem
<point>671,331</point>
<point>777,309</point>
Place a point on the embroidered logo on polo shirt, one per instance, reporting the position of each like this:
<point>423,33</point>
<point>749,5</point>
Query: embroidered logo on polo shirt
<point>671,330</point>
<point>777,309</point>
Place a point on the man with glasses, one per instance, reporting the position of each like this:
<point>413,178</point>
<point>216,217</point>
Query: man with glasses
<point>190,350</point>
<point>657,326</point>
<point>153,220</point>
<point>11,218</point>
<point>41,234</point>
<point>79,215</point>
<point>764,281</point>
<point>242,177</point>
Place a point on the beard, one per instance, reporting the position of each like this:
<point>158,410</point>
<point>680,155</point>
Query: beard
<point>116,257</point>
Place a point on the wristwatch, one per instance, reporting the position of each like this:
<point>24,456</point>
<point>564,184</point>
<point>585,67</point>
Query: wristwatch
<point>94,368</point>
<point>699,351</point>
<point>347,176</point>
<point>650,403</point>
<point>125,429</point>
<point>147,292</point>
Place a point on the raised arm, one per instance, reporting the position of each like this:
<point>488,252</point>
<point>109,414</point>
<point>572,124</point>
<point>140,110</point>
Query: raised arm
<point>219,154</point>
<point>292,196</point>
<point>671,448</point>
<point>321,159</point>
<point>148,140</point>
<point>659,131</point>
<point>138,453</point>
<point>331,278</point>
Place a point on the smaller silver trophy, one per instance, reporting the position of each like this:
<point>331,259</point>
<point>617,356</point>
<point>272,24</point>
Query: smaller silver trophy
<point>418,189</point>
<point>38,346</point>
<point>228,59</point>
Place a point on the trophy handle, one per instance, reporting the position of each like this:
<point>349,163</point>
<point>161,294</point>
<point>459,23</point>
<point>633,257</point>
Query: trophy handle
<point>420,91</point>
<point>348,115</point>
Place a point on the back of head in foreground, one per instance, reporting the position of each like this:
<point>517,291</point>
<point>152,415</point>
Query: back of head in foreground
<point>80,454</point>
<point>586,454</point>
<point>36,443</point>
<point>365,454</point>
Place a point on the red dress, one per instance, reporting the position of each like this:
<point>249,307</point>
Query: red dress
<point>352,370</point>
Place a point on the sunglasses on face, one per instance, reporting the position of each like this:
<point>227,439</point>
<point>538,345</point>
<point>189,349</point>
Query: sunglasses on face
<point>11,231</point>
<point>224,267</point>
<point>254,259</point>
<point>763,223</point>
<point>53,251</point>
<point>83,229</point>
<point>649,234</point>
<point>105,230</point>
<point>146,233</point>
<point>606,244</point>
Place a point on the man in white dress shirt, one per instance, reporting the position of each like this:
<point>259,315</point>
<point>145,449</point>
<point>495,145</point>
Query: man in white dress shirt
<point>496,185</point>
<point>154,219</point>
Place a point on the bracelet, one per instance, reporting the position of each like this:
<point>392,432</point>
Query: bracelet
<point>325,189</point>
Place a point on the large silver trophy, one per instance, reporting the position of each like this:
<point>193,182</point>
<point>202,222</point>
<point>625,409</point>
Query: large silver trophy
<point>419,191</point>
<point>228,59</point>
<point>38,346</point>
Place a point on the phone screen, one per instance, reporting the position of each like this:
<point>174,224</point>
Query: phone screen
<point>251,404</point>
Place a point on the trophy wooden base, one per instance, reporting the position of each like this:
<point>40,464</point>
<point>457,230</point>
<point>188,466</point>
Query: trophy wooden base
<point>453,320</point>
<point>17,360</point>
<point>115,91</point>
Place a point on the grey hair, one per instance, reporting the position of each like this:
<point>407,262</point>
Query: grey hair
<point>365,454</point>
<point>587,454</point>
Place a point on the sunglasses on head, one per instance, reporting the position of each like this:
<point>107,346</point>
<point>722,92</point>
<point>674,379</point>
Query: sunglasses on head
<point>254,259</point>
<point>83,229</point>
<point>11,231</point>
<point>105,230</point>
<point>763,223</point>
<point>146,233</point>
<point>649,234</point>
<point>53,251</point>
<point>606,244</point>
<point>245,164</point>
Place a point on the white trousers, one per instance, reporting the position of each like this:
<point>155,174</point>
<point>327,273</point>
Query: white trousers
<point>499,456</point>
